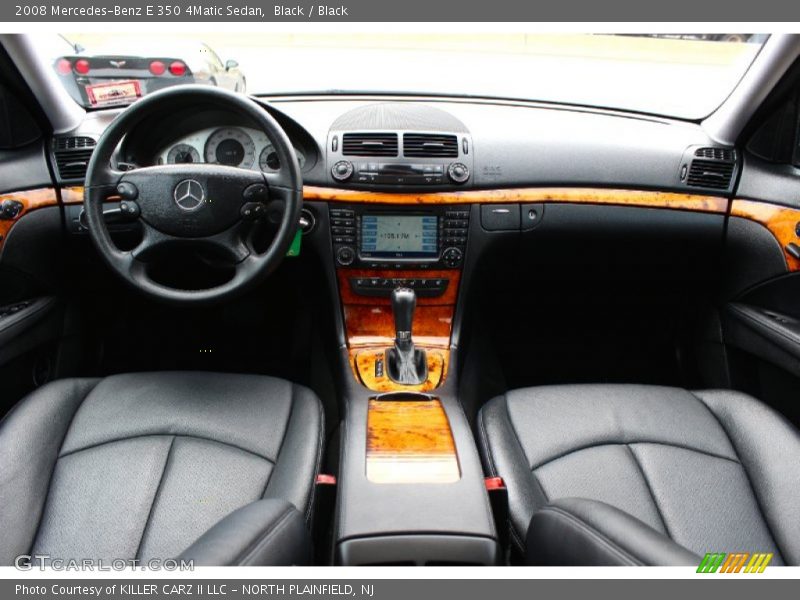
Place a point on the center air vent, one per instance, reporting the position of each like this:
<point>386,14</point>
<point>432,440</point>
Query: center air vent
<point>369,144</point>
<point>72,156</point>
<point>430,145</point>
<point>712,168</point>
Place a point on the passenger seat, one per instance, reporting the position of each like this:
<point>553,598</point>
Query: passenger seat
<point>643,475</point>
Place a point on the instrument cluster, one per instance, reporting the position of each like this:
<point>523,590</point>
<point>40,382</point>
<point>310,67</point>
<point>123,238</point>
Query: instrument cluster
<point>241,147</point>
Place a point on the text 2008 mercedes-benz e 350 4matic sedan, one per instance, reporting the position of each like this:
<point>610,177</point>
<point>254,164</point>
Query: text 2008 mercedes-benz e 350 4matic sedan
<point>543,313</point>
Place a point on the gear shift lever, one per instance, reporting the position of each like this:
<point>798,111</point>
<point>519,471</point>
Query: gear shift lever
<point>404,301</point>
<point>405,363</point>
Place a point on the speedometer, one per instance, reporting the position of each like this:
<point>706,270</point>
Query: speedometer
<point>230,146</point>
<point>268,160</point>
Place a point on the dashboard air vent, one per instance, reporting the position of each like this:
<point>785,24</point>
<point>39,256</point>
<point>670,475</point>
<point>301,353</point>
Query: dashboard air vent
<point>715,153</point>
<point>369,144</point>
<point>712,168</point>
<point>72,156</point>
<point>430,145</point>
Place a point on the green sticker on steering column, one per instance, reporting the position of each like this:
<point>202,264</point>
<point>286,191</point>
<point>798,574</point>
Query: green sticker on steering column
<point>294,249</point>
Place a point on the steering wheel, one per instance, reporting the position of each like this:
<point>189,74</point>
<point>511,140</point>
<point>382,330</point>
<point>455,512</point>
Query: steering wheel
<point>207,205</point>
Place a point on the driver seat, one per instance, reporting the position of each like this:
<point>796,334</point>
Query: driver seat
<point>217,468</point>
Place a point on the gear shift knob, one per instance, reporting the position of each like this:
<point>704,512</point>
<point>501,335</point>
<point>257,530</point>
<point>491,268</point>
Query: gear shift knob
<point>404,301</point>
<point>404,363</point>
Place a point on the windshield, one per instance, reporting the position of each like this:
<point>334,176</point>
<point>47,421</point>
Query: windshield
<point>680,75</point>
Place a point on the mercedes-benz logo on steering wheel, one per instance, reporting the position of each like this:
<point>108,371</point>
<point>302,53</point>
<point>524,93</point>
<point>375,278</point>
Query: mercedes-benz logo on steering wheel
<point>189,194</point>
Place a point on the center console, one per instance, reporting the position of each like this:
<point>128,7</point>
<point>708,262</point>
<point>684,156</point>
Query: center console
<point>411,487</point>
<point>379,248</point>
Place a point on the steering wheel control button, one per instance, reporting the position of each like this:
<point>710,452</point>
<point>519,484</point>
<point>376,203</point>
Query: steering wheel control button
<point>189,195</point>
<point>129,209</point>
<point>256,192</point>
<point>342,170</point>
<point>345,256</point>
<point>127,191</point>
<point>253,211</point>
<point>458,172</point>
<point>452,257</point>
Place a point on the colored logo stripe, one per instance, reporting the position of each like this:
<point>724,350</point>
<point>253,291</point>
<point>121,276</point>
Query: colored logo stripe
<point>734,563</point>
<point>758,563</point>
<point>711,562</point>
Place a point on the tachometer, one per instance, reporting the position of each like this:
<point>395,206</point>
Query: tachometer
<point>230,146</point>
<point>183,153</point>
<point>268,160</point>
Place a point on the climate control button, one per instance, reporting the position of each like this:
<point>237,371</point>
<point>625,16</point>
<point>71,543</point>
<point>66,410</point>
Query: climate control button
<point>342,170</point>
<point>458,172</point>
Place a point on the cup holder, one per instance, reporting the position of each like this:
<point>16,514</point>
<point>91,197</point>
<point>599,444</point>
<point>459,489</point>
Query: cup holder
<point>402,396</point>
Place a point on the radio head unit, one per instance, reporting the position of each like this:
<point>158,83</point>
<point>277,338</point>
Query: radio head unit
<point>393,238</point>
<point>398,236</point>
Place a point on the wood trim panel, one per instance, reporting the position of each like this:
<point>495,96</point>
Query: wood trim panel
<point>374,325</point>
<point>369,326</point>
<point>620,197</point>
<point>641,198</point>
<point>410,442</point>
<point>30,200</point>
<point>72,195</point>
<point>363,362</point>
<point>780,220</point>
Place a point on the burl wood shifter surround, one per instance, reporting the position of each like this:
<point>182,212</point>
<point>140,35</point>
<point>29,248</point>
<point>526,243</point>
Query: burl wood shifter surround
<point>369,326</point>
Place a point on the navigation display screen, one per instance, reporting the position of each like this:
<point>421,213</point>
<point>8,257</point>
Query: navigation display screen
<point>393,236</point>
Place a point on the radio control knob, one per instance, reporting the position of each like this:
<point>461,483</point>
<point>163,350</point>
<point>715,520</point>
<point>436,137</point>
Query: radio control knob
<point>452,257</point>
<point>345,256</point>
<point>458,172</point>
<point>342,170</point>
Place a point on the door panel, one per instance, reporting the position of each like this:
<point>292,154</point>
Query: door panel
<point>760,317</point>
<point>30,231</point>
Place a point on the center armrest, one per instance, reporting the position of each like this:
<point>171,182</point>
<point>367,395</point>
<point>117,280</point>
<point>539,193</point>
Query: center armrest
<point>411,483</point>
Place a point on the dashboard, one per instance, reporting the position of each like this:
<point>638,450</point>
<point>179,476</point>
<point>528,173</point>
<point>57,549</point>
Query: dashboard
<point>241,147</point>
<point>362,143</point>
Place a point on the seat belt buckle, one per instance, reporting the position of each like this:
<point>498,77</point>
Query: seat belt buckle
<point>324,497</point>
<point>324,504</point>
<point>498,500</point>
<point>325,480</point>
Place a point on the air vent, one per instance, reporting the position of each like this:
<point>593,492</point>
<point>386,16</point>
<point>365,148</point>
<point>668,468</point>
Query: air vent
<point>72,156</point>
<point>369,144</point>
<point>430,145</point>
<point>715,153</point>
<point>712,168</point>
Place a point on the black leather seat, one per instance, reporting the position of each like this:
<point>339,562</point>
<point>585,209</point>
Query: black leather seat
<point>629,474</point>
<point>213,467</point>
